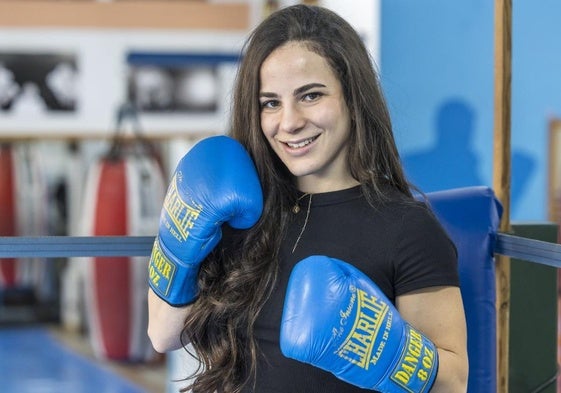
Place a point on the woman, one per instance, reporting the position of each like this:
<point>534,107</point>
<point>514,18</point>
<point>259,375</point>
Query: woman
<point>309,109</point>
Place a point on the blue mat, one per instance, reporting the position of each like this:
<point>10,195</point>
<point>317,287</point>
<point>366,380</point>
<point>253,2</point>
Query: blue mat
<point>32,360</point>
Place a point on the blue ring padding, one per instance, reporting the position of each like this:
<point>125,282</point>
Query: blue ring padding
<point>471,217</point>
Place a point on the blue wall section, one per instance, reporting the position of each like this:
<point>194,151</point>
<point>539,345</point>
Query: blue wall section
<point>437,69</point>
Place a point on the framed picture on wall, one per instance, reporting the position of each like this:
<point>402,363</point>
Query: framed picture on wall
<point>37,82</point>
<point>176,90</point>
<point>68,67</point>
<point>554,170</point>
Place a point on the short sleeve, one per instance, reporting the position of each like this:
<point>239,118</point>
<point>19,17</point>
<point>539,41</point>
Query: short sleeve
<point>425,256</point>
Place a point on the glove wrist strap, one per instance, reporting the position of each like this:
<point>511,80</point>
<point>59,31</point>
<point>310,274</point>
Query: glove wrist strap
<point>414,369</point>
<point>172,280</point>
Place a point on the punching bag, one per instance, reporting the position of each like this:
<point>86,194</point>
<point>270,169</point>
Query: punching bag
<point>7,214</point>
<point>23,212</point>
<point>123,196</point>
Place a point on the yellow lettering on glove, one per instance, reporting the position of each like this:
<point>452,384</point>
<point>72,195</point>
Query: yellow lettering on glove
<point>161,269</point>
<point>358,346</point>
<point>182,214</point>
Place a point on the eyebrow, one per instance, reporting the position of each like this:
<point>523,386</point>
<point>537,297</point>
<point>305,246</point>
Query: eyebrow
<point>296,92</point>
<point>307,87</point>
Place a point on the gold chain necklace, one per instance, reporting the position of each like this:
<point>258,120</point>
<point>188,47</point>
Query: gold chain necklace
<point>296,207</point>
<point>295,210</point>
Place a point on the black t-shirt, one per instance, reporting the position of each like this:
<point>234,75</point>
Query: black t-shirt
<point>400,246</point>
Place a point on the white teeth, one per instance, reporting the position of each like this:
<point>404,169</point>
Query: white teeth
<point>300,144</point>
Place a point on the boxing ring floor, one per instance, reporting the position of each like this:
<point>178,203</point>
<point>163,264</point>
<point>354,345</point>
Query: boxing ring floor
<point>40,359</point>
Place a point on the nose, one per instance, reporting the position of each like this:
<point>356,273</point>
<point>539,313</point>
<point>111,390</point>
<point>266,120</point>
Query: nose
<point>292,119</point>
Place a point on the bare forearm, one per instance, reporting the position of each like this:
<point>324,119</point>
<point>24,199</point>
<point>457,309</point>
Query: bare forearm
<point>164,323</point>
<point>452,374</point>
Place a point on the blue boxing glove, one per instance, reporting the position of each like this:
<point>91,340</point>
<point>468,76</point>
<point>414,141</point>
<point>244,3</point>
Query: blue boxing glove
<point>214,183</point>
<point>337,319</point>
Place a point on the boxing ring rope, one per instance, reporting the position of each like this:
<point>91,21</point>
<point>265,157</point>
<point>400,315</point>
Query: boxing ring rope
<point>526,249</point>
<point>75,246</point>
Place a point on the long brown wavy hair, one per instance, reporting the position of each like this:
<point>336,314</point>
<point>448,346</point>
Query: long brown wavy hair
<point>235,281</point>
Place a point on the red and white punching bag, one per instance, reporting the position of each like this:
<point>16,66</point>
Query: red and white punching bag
<point>7,214</point>
<point>23,212</point>
<point>123,196</point>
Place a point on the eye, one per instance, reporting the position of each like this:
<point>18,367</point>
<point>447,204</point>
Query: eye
<point>312,96</point>
<point>269,104</point>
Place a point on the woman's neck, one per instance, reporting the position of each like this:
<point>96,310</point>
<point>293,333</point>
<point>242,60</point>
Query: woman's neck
<point>315,186</point>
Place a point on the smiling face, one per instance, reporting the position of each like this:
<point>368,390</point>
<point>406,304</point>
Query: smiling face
<point>305,118</point>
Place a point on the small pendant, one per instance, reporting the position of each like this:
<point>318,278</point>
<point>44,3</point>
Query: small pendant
<point>296,207</point>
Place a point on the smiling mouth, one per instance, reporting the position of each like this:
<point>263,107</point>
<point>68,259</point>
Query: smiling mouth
<point>301,144</point>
